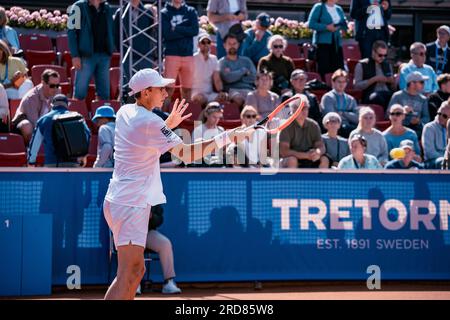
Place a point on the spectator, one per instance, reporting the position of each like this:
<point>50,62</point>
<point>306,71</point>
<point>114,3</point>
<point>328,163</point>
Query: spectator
<point>396,133</point>
<point>43,133</point>
<point>238,73</point>
<point>35,104</point>
<point>374,76</point>
<point>301,144</point>
<point>91,46</point>
<point>359,159</point>
<point>327,19</point>
<point>206,74</point>
<point>180,26</point>
<point>376,144</point>
<point>105,118</point>
<point>224,15</point>
<point>336,147</point>
<point>434,138</point>
<point>256,41</point>
<point>371,22</point>
<point>435,100</point>
<point>4,110</point>
<point>8,34</point>
<point>144,51</point>
<point>415,103</point>
<point>13,74</point>
<point>278,64</point>
<point>264,100</point>
<point>338,101</point>
<point>298,82</point>
<point>209,128</point>
<point>159,243</point>
<point>417,63</point>
<point>407,161</point>
<point>437,52</point>
<point>445,164</point>
<point>252,152</point>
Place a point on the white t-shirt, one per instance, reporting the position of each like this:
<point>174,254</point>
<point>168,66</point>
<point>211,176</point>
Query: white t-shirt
<point>140,139</point>
<point>203,71</point>
<point>234,6</point>
<point>333,13</point>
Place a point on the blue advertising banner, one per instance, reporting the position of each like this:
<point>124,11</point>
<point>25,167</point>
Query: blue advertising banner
<point>241,225</point>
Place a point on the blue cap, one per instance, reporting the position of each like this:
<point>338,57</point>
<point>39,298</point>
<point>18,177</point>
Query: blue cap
<point>104,112</point>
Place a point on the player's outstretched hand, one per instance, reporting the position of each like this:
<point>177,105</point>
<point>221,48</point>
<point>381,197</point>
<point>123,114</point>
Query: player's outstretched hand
<point>176,116</point>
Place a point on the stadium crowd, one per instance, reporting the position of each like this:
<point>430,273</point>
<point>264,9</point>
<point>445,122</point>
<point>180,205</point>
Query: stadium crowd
<point>360,111</point>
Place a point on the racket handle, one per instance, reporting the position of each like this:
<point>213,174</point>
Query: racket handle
<point>263,121</point>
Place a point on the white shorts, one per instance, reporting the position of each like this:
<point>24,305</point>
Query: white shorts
<point>128,224</point>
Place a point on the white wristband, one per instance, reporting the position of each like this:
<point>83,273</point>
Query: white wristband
<point>222,140</point>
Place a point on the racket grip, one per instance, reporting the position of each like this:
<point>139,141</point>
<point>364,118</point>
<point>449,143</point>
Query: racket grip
<point>263,121</point>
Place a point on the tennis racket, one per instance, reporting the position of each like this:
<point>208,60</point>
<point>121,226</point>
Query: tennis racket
<point>277,111</point>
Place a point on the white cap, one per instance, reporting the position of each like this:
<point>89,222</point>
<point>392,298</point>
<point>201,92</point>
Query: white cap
<point>445,28</point>
<point>146,78</point>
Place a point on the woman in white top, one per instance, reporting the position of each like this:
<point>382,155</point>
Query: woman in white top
<point>251,152</point>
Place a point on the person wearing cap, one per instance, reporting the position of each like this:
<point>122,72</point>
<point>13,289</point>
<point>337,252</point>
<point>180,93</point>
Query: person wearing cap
<point>414,102</point>
<point>264,100</point>
<point>179,27</point>
<point>105,118</point>
<point>238,73</point>
<point>397,132</point>
<point>255,44</point>
<point>301,144</point>
<point>374,76</point>
<point>35,104</point>
<point>207,85</point>
<point>407,161</point>
<point>418,53</point>
<point>438,54</point>
<point>359,159</point>
<point>336,147</point>
<point>280,65</point>
<point>140,138</point>
<point>43,133</point>
<point>443,94</point>
<point>338,101</point>
<point>298,82</point>
<point>434,138</point>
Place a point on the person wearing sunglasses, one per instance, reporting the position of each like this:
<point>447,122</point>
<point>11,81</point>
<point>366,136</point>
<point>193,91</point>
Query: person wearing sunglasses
<point>278,64</point>
<point>327,19</point>
<point>397,132</point>
<point>435,100</point>
<point>376,144</point>
<point>417,63</point>
<point>438,54</point>
<point>35,104</point>
<point>414,102</point>
<point>434,138</point>
<point>359,158</point>
<point>374,76</point>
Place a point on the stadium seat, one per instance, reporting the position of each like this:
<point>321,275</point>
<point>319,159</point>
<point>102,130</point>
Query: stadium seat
<point>176,93</point>
<point>305,49</point>
<point>379,111</point>
<point>230,124</point>
<point>313,76</point>
<point>195,109</point>
<point>12,150</point>
<point>62,43</point>
<point>231,111</point>
<point>328,78</point>
<point>319,94</point>
<point>34,57</point>
<point>351,65</point>
<point>292,51</point>
<point>382,125</point>
<point>66,61</point>
<point>36,72</point>
<point>115,60</point>
<point>114,81</point>
<point>357,94</point>
<point>92,155</point>
<point>95,104</point>
<point>13,106</point>
<point>299,63</point>
<point>80,107</point>
<point>351,51</point>
<point>39,42</point>
<point>187,124</point>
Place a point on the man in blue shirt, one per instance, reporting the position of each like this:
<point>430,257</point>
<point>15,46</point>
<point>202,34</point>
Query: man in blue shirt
<point>43,133</point>
<point>417,63</point>
<point>255,44</point>
<point>407,161</point>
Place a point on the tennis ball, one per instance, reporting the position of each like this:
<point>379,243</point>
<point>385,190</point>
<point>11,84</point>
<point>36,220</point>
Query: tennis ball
<point>397,153</point>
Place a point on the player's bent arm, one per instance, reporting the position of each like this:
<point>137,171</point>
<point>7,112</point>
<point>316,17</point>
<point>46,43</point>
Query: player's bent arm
<point>286,151</point>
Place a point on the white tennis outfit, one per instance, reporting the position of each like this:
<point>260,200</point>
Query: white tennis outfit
<point>140,139</point>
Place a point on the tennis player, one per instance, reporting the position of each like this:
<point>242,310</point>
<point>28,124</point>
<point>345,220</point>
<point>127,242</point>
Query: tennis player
<point>140,138</point>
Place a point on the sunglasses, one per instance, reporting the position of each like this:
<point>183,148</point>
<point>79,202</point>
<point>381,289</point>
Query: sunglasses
<point>54,86</point>
<point>205,42</point>
<point>250,116</point>
<point>333,121</point>
<point>277,46</point>
<point>381,55</point>
<point>397,114</point>
<point>443,115</point>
